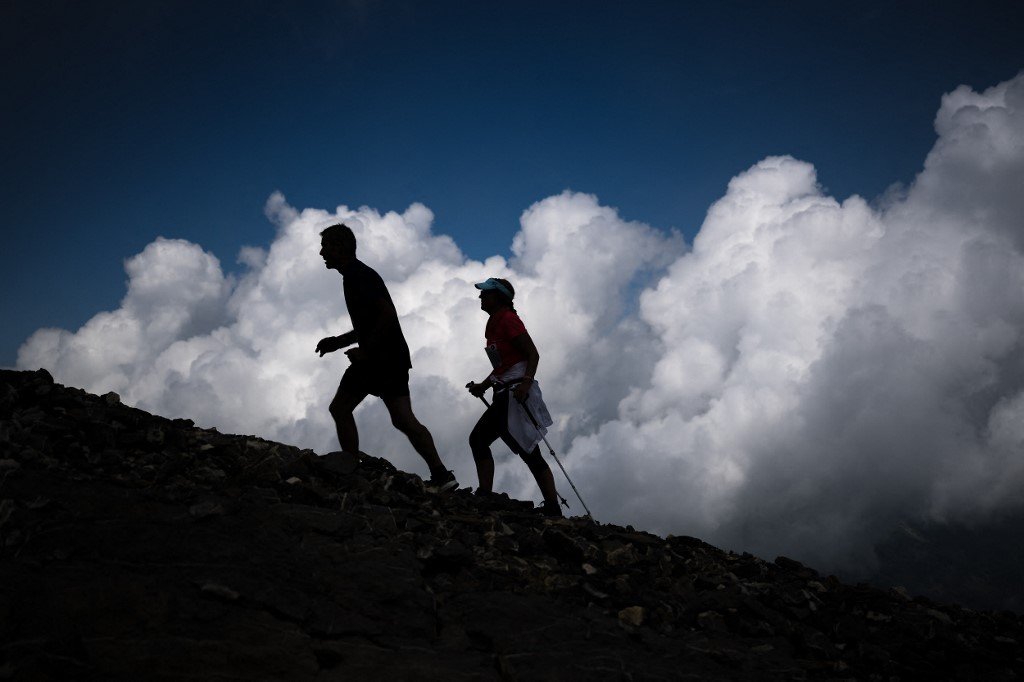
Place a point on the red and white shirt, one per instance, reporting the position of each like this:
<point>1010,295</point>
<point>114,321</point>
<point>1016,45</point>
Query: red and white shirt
<point>502,327</point>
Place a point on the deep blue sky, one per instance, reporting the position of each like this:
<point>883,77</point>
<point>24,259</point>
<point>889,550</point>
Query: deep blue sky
<point>123,121</point>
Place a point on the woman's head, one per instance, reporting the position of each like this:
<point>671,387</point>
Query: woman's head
<point>495,293</point>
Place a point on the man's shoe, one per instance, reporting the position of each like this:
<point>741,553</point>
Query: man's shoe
<point>442,482</point>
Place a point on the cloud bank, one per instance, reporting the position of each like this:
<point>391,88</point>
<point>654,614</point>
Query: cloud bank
<point>805,375</point>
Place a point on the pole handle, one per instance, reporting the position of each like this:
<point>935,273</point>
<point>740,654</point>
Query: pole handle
<point>470,383</point>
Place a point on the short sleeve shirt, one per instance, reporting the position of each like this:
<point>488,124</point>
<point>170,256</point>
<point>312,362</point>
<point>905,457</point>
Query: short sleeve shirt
<point>364,289</point>
<point>502,327</point>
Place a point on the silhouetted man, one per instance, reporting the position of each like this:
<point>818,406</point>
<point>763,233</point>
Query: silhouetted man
<point>381,363</point>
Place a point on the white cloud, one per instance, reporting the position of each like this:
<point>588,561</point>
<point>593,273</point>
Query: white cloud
<point>808,373</point>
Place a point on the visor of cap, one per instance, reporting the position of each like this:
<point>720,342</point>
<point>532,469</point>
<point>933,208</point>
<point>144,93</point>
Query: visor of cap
<point>493,284</point>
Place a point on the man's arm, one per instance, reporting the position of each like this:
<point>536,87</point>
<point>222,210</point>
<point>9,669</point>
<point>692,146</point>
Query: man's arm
<point>382,313</point>
<point>332,343</point>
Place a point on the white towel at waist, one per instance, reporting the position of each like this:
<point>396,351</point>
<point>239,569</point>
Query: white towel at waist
<point>521,427</point>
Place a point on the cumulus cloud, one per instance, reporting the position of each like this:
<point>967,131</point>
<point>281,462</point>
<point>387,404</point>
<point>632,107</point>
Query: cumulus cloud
<point>805,375</point>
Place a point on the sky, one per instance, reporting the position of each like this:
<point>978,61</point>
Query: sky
<point>770,255</point>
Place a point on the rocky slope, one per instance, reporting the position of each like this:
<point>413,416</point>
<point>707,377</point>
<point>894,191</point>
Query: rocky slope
<point>980,565</point>
<point>137,547</point>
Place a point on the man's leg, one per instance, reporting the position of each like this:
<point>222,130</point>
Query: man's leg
<point>400,408</point>
<point>342,406</point>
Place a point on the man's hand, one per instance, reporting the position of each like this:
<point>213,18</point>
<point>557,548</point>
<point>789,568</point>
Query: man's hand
<point>476,389</point>
<point>329,345</point>
<point>333,343</point>
<point>356,354</point>
<point>522,389</point>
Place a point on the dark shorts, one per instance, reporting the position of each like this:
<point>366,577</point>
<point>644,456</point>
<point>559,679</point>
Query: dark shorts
<point>362,379</point>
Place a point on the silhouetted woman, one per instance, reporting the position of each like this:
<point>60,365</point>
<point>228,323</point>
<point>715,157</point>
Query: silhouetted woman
<point>514,359</point>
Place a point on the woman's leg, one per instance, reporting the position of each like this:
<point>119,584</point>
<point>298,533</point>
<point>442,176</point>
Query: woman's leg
<point>538,467</point>
<point>480,439</point>
<point>542,473</point>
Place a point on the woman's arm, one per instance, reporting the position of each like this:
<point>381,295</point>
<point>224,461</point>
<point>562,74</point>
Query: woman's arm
<point>524,344</point>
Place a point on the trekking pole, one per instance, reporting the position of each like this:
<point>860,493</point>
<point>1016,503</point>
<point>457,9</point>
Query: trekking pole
<point>552,451</point>
<point>557,461</point>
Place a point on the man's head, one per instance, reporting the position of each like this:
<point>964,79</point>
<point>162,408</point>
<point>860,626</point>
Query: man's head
<point>337,246</point>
